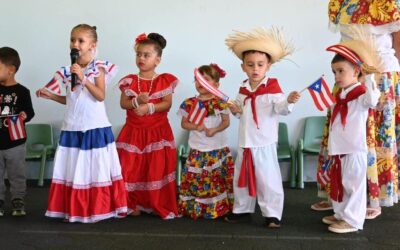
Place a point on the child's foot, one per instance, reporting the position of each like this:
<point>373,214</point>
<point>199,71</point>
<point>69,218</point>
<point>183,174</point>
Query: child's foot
<point>233,218</point>
<point>18,207</point>
<point>329,220</point>
<point>272,222</point>
<point>135,212</point>
<point>342,227</point>
<point>322,206</point>
<point>1,208</point>
<point>373,212</point>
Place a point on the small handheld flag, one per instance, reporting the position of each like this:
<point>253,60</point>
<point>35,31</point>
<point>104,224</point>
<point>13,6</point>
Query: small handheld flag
<point>197,113</point>
<point>323,174</point>
<point>16,127</point>
<point>321,94</point>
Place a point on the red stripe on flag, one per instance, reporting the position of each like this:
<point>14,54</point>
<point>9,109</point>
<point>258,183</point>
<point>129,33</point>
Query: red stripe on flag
<point>197,113</point>
<point>315,99</point>
<point>16,128</point>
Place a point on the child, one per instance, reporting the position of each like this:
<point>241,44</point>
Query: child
<point>383,122</point>
<point>347,141</point>
<point>206,189</point>
<point>146,144</point>
<point>258,105</point>
<point>87,184</point>
<point>15,106</point>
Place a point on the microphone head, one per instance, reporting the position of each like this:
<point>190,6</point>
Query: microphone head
<point>74,53</point>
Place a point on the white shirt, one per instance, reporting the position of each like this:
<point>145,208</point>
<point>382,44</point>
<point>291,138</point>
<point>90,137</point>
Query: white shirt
<point>268,108</point>
<point>198,139</point>
<point>353,137</point>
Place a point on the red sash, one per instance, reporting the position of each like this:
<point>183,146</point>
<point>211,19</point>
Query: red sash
<point>341,104</point>
<point>271,87</point>
<point>247,175</point>
<point>336,193</point>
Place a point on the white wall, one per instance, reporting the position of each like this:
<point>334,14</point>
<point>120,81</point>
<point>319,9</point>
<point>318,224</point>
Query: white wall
<point>195,31</point>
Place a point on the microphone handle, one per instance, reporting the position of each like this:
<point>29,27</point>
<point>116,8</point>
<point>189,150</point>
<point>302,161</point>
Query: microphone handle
<point>73,81</point>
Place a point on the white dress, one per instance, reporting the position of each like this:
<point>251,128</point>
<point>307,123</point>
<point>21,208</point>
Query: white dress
<point>87,184</point>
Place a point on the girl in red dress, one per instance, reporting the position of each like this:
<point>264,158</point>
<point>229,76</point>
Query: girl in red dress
<point>145,144</point>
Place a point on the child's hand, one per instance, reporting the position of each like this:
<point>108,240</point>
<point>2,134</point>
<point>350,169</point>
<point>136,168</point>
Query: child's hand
<point>75,68</point>
<point>23,115</point>
<point>200,127</point>
<point>210,132</point>
<point>141,110</point>
<point>44,93</point>
<point>234,107</point>
<point>143,98</point>
<point>293,97</point>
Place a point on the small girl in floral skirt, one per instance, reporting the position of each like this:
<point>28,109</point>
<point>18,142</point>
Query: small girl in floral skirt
<point>206,189</point>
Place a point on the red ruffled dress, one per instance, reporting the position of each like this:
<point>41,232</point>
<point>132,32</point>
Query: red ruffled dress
<point>147,151</point>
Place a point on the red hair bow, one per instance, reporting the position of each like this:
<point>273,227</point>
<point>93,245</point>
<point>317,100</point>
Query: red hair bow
<point>140,38</point>
<point>220,71</point>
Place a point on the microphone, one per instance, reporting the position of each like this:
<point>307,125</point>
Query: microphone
<point>74,58</point>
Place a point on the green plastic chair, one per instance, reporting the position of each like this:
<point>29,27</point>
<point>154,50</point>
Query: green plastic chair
<point>39,146</point>
<point>309,144</point>
<point>286,152</point>
<point>183,152</point>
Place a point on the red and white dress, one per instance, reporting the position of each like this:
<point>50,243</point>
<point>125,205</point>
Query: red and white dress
<point>147,151</point>
<point>87,183</point>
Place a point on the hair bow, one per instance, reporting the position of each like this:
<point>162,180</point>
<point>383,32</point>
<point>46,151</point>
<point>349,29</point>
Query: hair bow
<point>220,71</point>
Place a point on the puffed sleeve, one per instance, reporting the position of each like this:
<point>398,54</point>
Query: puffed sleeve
<point>110,70</point>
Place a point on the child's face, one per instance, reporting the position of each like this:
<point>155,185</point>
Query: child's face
<point>256,65</point>
<point>199,87</point>
<point>5,72</point>
<point>147,58</point>
<point>83,41</point>
<point>345,74</point>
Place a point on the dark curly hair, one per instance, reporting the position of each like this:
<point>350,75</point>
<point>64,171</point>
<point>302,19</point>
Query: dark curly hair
<point>157,40</point>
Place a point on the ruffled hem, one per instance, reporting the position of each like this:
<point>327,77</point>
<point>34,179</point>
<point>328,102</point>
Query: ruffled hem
<point>87,205</point>
<point>376,30</point>
<point>208,208</point>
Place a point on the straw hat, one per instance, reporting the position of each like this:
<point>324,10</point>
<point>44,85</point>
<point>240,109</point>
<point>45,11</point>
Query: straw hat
<point>362,50</point>
<point>269,41</point>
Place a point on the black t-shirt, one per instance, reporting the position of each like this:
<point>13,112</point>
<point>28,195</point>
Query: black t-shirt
<point>13,100</point>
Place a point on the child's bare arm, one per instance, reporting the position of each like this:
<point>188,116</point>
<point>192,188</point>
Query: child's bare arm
<point>44,93</point>
<point>97,90</point>
<point>186,124</point>
<point>222,126</point>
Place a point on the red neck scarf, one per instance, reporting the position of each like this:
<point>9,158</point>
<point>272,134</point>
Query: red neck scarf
<point>341,104</point>
<point>271,87</point>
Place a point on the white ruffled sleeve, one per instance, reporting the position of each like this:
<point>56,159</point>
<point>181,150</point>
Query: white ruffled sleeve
<point>110,70</point>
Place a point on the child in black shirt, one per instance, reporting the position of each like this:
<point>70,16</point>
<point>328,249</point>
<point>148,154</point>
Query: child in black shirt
<point>15,110</point>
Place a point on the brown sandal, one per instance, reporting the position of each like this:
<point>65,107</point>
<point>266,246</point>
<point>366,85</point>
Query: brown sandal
<point>322,206</point>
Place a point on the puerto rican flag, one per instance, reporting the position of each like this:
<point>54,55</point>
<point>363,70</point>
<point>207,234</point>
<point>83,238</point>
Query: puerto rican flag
<point>16,127</point>
<point>197,113</point>
<point>54,85</point>
<point>321,94</point>
<point>323,174</point>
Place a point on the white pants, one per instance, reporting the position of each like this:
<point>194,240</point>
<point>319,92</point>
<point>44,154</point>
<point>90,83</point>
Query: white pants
<point>268,183</point>
<point>354,205</point>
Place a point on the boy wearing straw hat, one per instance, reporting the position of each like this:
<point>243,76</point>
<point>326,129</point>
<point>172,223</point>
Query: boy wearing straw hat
<point>258,105</point>
<point>347,143</point>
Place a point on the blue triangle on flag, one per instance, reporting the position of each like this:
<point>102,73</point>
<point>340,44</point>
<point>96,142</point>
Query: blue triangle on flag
<point>316,86</point>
